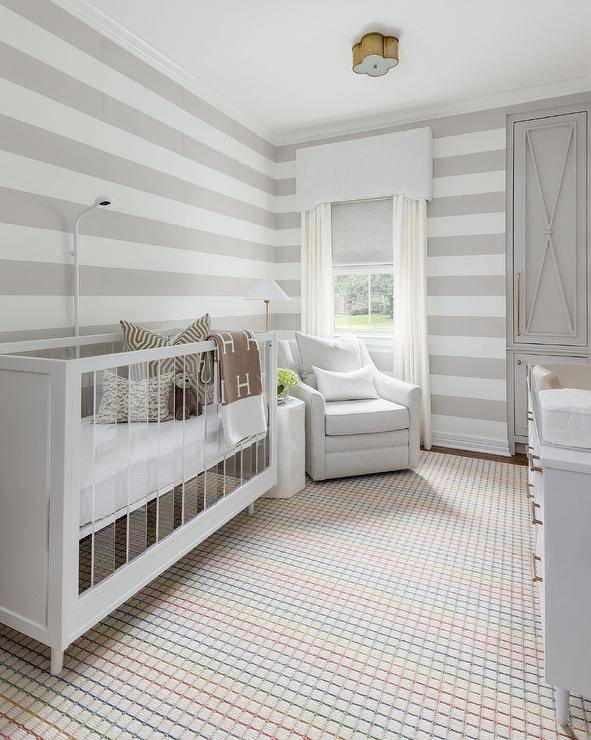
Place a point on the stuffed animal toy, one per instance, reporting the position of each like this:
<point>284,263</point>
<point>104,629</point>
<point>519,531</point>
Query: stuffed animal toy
<point>183,393</point>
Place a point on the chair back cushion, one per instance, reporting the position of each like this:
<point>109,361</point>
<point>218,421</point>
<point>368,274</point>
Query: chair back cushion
<point>338,354</point>
<point>288,355</point>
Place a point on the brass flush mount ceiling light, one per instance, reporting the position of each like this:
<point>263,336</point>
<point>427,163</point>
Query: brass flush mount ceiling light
<point>375,54</point>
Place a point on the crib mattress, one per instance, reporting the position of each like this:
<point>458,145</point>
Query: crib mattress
<point>126,464</point>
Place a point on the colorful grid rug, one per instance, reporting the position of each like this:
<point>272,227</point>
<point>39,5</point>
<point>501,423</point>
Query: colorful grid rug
<point>390,606</point>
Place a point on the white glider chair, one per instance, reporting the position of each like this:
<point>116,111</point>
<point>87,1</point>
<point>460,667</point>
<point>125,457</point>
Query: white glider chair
<point>352,437</point>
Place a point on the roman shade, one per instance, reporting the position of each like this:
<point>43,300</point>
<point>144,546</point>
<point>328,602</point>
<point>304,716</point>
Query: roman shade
<point>362,232</point>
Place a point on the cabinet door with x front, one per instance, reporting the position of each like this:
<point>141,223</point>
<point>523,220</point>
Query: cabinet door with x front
<point>549,250</point>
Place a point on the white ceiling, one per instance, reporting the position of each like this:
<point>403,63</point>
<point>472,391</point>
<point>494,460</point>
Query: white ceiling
<point>287,63</point>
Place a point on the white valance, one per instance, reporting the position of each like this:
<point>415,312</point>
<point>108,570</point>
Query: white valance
<point>370,167</point>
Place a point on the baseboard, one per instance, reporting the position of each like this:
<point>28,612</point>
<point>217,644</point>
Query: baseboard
<point>470,443</point>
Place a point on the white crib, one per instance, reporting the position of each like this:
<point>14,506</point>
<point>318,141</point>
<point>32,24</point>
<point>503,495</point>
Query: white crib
<point>89,512</point>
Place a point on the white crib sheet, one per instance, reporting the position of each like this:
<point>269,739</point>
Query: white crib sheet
<point>130,462</point>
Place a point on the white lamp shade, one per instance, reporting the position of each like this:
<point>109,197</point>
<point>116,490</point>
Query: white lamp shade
<point>266,290</point>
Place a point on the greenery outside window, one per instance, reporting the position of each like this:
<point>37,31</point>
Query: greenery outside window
<point>364,298</point>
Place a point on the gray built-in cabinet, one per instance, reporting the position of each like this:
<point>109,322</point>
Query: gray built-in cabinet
<point>547,247</point>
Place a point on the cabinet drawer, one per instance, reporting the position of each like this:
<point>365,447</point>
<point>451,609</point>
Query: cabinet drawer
<point>521,363</point>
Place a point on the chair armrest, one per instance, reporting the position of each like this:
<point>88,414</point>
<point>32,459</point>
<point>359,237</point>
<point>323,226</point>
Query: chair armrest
<point>398,391</point>
<point>315,429</point>
<point>405,394</point>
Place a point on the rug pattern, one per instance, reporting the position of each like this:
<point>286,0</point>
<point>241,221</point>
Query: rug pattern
<point>389,606</point>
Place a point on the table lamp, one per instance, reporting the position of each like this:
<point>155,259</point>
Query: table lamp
<point>266,290</point>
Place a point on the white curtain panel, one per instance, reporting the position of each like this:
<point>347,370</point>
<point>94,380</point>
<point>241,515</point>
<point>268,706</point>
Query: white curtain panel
<point>411,349</point>
<point>316,263</point>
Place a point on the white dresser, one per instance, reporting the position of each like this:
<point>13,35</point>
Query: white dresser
<point>559,490</point>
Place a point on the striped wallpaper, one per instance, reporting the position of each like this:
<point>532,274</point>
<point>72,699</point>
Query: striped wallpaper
<point>203,207</point>
<point>194,220</point>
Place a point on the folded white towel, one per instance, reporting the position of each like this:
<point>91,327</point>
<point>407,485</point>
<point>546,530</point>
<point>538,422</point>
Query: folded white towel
<point>566,416</point>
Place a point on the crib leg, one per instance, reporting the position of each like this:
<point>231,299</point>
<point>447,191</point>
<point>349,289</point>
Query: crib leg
<point>57,661</point>
<point>251,509</point>
<point>561,697</point>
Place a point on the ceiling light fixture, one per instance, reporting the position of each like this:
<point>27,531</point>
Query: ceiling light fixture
<point>374,54</point>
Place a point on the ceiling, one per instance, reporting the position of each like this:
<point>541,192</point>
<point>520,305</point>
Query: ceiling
<point>287,63</point>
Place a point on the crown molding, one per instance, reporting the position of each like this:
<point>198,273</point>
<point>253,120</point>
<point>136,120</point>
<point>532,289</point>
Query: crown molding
<point>516,96</point>
<point>131,42</point>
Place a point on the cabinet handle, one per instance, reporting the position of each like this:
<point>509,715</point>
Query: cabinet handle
<point>534,519</point>
<point>532,467</point>
<point>529,493</point>
<point>518,301</point>
<point>530,416</point>
<point>534,576</point>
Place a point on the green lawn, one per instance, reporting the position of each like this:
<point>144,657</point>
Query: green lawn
<point>379,322</point>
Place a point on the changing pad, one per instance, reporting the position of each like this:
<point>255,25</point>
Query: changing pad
<point>566,416</point>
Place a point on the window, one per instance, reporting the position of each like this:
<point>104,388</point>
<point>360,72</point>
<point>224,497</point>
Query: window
<point>362,267</point>
<point>364,301</point>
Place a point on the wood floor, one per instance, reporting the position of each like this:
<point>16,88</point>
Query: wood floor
<point>514,459</point>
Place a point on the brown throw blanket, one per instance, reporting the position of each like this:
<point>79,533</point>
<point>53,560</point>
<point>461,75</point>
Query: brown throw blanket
<point>241,385</point>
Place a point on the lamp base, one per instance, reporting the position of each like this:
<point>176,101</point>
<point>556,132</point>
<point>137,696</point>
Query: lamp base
<point>267,322</point>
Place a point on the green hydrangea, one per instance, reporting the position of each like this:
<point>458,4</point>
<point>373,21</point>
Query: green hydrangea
<point>286,378</point>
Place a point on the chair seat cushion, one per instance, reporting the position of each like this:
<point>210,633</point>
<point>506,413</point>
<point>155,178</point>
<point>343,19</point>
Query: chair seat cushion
<point>368,416</point>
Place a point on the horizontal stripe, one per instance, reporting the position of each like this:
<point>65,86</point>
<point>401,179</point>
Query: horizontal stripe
<point>28,72</point>
<point>289,220</point>
<point>85,38</point>
<point>472,408</point>
<point>470,305</point>
<point>22,173</point>
<point>47,278</point>
<point>29,209</point>
<point>50,312</point>
<point>466,245</point>
<point>479,182</point>
<point>467,326</point>
<point>452,424</point>
<point>476,264</point>
<point>477,223</point>
<point>474,305</point>
<point>466,285</point>
<point>43,245</point>
<point>39,110</point>
<point>457,205</point>
<point>285,171</point>
<point>168,100</point>
<point>458,346</point>
<point>279,322</point>
<point>469,367</point>
<point>37,143</point>
<point>285,203</point>
<point>288,254</point>
<point>469,143</point>
<point>445,126</point>
<point>285,187</point>
<point>467,164</point>
<point>483,388</point>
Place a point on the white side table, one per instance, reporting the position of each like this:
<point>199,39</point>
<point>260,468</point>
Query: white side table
<point>291,450</point>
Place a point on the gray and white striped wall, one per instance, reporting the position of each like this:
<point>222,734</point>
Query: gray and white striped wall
<point>204,205</point>
<point>466,268</point>
<point>193,223</point>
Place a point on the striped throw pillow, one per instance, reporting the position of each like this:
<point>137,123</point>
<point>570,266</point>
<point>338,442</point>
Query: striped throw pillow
<point>136,337</point>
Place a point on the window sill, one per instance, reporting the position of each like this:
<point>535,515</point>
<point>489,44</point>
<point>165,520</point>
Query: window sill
<point>372,341</point>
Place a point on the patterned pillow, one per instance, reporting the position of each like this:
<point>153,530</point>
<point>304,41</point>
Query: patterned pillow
<point>137,337</point>
<point>147,399</point>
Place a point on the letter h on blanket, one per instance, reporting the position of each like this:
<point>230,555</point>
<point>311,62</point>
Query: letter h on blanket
<point>241,385</point>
